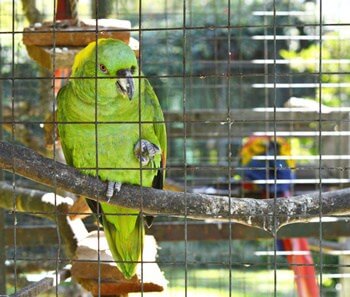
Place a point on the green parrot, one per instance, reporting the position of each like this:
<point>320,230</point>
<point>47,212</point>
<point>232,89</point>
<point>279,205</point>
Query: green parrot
<point>113,127</point>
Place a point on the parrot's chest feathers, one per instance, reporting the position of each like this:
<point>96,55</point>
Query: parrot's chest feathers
<point>121,110</point>
<point>108,144</point>
<point>101,138</point>
<point>110,139</point>
<point>110,148</point>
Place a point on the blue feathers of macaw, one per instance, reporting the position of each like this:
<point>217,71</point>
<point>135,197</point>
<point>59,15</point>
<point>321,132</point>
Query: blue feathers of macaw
<point>273,168</point>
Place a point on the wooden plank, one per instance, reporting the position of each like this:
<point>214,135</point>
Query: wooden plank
<point>203,130</point>
<point>46,235</point>
<point>204,231</point>
<point>2,253</point>
<point>64,33</point>
<point>287,122</point>
<point>63,57</point>
<point>215,231</point>
<point>50,44</point>
<point>258,115</point>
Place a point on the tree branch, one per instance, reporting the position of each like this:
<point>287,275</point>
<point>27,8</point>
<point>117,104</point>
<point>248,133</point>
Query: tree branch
<point>31,201</point>
<point>268,214</point>
<point>31,12</point>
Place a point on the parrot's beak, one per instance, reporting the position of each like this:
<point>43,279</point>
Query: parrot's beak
<point>126,84</point>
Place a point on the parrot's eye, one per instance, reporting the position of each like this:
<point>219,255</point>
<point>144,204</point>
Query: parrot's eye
<point>133,69</point>
<point>103,68</point>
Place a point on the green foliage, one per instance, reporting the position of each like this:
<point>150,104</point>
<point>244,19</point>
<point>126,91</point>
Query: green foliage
<point>207,50</point>
<point>219,282</point>
<point>208,254</point>
<point>336,70</point>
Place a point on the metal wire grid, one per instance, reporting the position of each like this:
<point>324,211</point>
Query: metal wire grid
<point>185,28</point>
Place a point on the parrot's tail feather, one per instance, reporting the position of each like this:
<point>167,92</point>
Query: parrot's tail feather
<point>125,237</point>
<point>303,266</point>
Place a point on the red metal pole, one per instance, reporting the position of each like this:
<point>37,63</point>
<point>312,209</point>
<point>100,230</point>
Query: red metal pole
<point>63,11</point>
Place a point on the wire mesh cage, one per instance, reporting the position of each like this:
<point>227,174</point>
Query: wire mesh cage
<point>256,105</point>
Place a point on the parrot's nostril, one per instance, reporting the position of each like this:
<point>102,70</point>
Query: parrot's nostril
<point>121,73</point>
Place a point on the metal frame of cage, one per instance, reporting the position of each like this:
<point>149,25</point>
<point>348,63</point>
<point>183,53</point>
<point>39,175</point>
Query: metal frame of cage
<point>271,120</point>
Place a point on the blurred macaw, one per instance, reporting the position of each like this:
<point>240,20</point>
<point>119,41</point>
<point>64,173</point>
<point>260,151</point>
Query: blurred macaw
<point>278,169</point>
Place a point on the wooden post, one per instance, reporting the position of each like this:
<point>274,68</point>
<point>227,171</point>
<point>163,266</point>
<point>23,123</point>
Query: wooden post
<point>2,223</point>
<point>63,11</point>
<point>2,254</point>
<point>344,260</point>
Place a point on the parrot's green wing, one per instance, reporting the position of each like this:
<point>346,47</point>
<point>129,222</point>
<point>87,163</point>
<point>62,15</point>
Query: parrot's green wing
<point>160,131</point>
<point>62,95</point>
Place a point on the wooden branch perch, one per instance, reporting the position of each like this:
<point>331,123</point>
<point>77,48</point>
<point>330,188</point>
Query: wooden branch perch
<point>269,214</point>
<point>31,201</point>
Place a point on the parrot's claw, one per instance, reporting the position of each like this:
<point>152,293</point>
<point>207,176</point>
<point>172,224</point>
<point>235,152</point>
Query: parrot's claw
<point>145,151</point>
<point>112,186</point>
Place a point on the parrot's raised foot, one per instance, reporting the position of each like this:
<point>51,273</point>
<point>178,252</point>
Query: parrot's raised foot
<point>112,186</point>
<point>145,151</point>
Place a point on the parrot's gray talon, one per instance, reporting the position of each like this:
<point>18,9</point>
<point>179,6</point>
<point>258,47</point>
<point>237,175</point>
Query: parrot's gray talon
<point>145,151</point>
<point>112,186</point>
